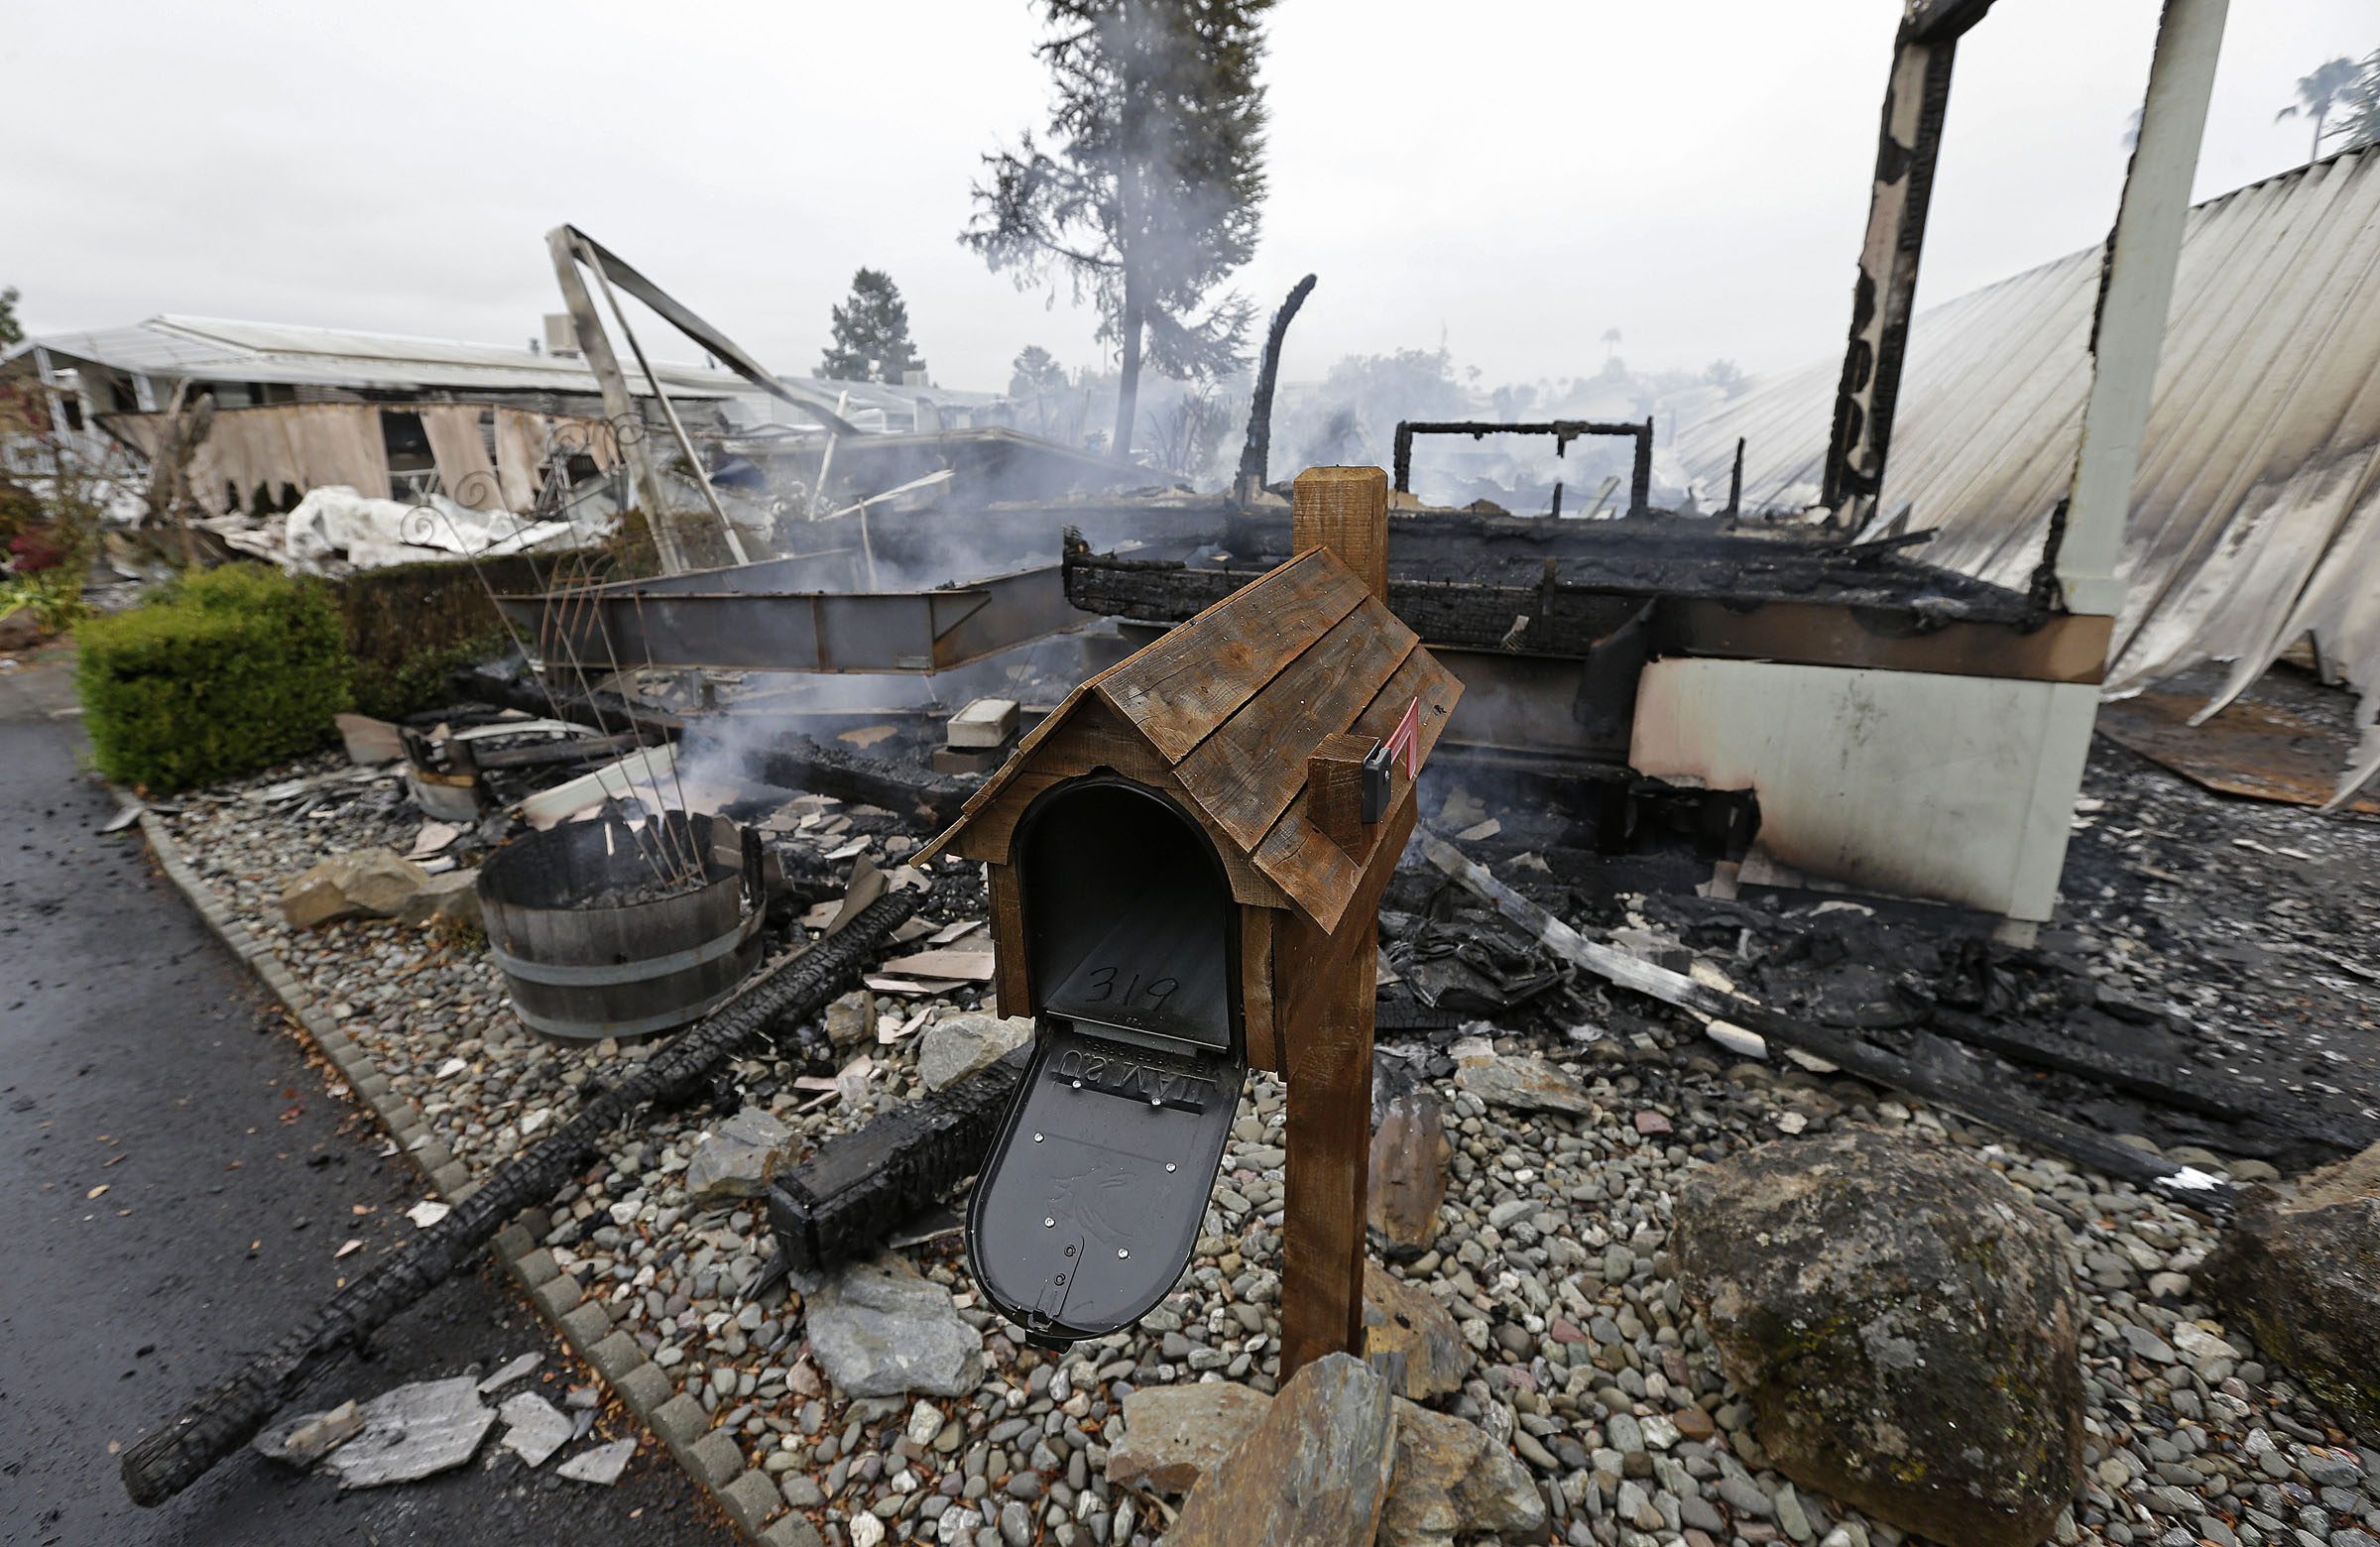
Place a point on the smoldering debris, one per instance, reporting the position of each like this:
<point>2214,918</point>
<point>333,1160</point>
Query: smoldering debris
<point>2205,992</point>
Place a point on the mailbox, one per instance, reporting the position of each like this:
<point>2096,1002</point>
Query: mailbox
<point>1185,863</point>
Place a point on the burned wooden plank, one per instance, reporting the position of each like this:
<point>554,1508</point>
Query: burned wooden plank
<point>576,749</point>
<point>2181,1087</point>
<point>1933,1078</point>
<point>169,1459</point>
<point>797,763</point>
<point>1409,1152</point>
<point>844,1199</point>
<point>1565,619</point>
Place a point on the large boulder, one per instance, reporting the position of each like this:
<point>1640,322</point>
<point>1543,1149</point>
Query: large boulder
<point>1174,1435</point>
<point>879,1329</point>
<point>368,883</point>
<point>1904,1323</point>
<point>1455,1480</point>
<point>2300,1268</point>
<point>1314,1472</point>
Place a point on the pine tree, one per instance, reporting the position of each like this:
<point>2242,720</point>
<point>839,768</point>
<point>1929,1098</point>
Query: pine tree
<point>12,332</point>
<point>1146,198</point>
<point>871,334</point>
<point>1034,372</point>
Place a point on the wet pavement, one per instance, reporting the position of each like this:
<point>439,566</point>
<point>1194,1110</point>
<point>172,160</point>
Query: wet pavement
<point>177,1176</point>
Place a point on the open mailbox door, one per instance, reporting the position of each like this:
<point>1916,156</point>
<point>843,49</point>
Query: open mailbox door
<point>1091,1198</point>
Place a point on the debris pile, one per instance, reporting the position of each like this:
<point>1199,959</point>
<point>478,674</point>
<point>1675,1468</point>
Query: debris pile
<point>415,1431</point>
<point>1533,1282</point>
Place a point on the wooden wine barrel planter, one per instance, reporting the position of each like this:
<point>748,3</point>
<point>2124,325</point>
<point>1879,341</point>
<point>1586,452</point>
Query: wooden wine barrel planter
<point>631,969</point>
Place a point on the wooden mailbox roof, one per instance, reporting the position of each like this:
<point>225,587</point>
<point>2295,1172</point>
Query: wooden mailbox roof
<point>1236,699</point>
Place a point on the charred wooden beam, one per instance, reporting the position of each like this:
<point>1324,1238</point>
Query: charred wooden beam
<point>1939,1070</point>
<point>171,1459</point>
<point>1564,432</point>
<point>577,749</point>
<point>858,1187</point>
<point>1916,97</point>
<point>1256,453</point>
<point>1554,620</point>
<point>2157,1079</point>
<point>522,690</point>
<point>797,763</point>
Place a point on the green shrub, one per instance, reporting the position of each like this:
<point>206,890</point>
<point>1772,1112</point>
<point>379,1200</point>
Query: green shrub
<point>226,673</point>
<point>408,626</point>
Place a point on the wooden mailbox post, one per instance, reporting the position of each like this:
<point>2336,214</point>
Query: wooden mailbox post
<point>1186,861</point>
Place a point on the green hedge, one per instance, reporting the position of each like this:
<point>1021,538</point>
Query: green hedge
<point>408,626</point>
<point>226,673</point>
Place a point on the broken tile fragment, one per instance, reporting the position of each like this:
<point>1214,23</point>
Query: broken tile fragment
<point>600,1465</point>
<point>535,1428</point>
<point>412,1432</point>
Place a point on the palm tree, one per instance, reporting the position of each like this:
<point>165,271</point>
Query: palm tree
<point>2318,94</point>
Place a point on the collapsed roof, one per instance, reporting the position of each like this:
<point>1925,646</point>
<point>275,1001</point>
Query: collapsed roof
<point>2255,514</point>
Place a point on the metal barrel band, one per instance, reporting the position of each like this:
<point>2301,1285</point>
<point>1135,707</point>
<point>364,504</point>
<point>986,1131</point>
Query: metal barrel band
<point>588,1031</point>
<point>597,974</point>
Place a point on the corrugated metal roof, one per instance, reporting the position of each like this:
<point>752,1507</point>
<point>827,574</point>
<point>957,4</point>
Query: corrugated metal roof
<point>2256,509</point>
<point>221,349</point>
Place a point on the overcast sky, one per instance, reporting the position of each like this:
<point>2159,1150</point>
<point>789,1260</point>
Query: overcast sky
<point>1515,183</point>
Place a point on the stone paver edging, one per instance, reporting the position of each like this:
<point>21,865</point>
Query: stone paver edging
<point>752,1501</point>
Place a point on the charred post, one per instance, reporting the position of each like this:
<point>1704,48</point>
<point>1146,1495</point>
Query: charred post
<point>1257,454</point>
<point>1917,95</point>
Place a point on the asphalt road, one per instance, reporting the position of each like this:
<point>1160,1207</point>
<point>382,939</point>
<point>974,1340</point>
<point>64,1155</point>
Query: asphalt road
<point>138,1056</point>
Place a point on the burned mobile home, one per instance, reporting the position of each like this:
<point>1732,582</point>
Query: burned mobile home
<point>1524,952</point>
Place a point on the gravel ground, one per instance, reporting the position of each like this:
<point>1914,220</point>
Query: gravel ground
<point>1552,1258</point>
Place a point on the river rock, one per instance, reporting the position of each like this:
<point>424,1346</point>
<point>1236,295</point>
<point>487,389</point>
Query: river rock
<point>1904,1323</point>
<point>879,1329</point>
<point>1174,1435</point>
<point>1407,1183</point>
<point>1315,1471</point>
<point>954,1048</point>
<point>739,1157</point>
<point>1399,1316</point>
<point>368,883</point>
<point>1451,1480</point>
<point>1522,1082</point>
<point>2301,1268</point>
